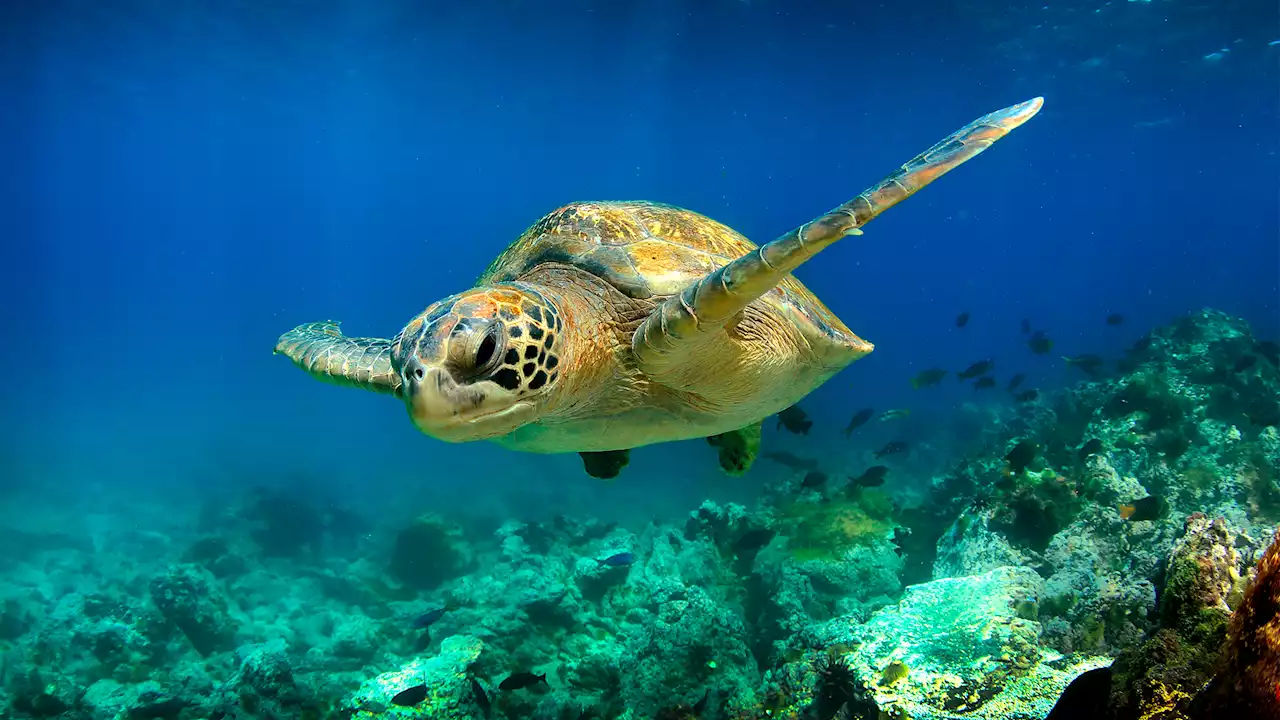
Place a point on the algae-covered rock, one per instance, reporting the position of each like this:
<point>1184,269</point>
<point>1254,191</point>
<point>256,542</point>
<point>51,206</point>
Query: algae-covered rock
<point>110,700</point>
<point>428,553</point>
<point>1161,677</point>
<point>194,601</point>
<point>961,648</point>
<point>449,695</point>
<point>1248,680</point>
<point>969,547</point>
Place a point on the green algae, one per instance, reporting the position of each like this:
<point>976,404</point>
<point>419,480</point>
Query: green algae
<point>826,531</point>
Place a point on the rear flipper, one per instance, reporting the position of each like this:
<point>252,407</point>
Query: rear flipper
<point>605,465</point>
<point>738,448</point>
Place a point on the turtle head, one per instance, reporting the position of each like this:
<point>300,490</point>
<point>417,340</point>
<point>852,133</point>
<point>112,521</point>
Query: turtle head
<point>480,364</point>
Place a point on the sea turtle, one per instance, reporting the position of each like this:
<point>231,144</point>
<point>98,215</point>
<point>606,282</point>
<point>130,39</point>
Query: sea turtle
<point>611,325</point>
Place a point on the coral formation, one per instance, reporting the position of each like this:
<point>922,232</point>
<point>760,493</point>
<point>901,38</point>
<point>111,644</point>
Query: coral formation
<point>448,690</point>
<point>427,553</point>
<point>960,647</point>
<point>976,590</point>
<point>1247,682</point>
<point>1163,675</point>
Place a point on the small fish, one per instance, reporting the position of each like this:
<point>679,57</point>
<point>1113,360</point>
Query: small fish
<point>871,477</point>
<point>410,696</point>
<point>753,540</point>
<point>892,448</point>
<point>795,420</point>
<point>928,378</point>
<point>1143,344</point>
<point>1151,507</point>
<point>1245,363</point>
<point>427,619</point>
<point>982,367</point>
<point>795,462</point>
<point>1115,319</point>
<point>482,698</point>
<point>859,419</point>
<point>522,680</point>
<point>621,559</point>
<point>1015,381</point>
<point>1093,447</point>
<point>984,383</point>
<point>1027,396</point>
<point>894,414</point>
<point>1040,343</point>
<point>1022,455</point>
<point>962,319</point>
<point>815,478</point>
<point>1088,363</point>
<point>1026,326</point>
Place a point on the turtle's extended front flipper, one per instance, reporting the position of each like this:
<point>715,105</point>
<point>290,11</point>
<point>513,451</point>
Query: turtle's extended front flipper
<point>677,328</point>
<point>326,354</point>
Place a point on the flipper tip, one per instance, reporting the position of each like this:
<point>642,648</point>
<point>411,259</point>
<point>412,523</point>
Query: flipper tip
<point>1013,116</point>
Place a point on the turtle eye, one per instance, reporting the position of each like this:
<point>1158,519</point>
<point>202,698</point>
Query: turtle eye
<point>485,352</point>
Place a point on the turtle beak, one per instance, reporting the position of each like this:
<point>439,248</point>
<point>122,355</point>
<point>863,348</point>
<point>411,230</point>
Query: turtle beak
<point>454,412</point>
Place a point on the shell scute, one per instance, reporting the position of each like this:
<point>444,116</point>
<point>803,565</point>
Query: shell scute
<point>648,250</point>
<point>643,249</point>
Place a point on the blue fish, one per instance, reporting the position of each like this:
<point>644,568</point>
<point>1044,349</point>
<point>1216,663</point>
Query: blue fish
<point>427,619</point>
<point>620,560</point>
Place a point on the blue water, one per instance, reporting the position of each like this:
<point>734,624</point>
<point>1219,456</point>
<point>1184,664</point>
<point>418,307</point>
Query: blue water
<point>184,181</point>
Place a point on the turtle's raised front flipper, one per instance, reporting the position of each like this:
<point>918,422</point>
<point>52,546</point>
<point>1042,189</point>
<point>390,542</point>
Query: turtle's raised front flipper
<point>676,329</point>
<point>323,351</point>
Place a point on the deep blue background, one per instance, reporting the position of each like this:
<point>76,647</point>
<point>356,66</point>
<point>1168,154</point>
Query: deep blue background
<point>184,181</point>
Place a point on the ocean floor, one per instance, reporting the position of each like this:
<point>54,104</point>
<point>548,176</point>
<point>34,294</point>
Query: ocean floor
<point>1113,533</point>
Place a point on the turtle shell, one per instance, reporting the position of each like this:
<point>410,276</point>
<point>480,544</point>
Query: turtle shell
<point>648,251</point>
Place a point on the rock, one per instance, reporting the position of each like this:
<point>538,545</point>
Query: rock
<point>449,695</point>
<point>1249,675</point>
<point>1204,575</point>
<point>192,599</point>
<point>969,547</point>
<point>106,700</point>
<point>1202,584</point>
<point>110,700</point>
<point>428,553</point>
<point>961,648</point>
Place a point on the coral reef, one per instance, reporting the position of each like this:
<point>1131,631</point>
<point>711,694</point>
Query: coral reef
<point>978,591</point>
<point>960,647</point>
<point>1154,431</point>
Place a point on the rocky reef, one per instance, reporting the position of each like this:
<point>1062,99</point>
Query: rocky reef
<point>961,647</point>
<point>1128,531</point>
